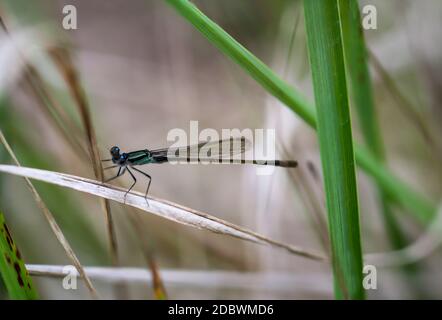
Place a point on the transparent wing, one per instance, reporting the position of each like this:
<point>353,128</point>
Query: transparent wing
<point>220,149</point>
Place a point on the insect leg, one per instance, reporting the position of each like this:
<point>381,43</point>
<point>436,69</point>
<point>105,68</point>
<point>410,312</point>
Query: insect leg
<point>118,175</point>
<point>133,184</point>
<point>148,185</point>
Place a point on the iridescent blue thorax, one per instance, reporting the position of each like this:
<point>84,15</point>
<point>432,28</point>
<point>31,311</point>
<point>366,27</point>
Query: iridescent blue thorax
<point>117,157</point>
<point>121,160</point>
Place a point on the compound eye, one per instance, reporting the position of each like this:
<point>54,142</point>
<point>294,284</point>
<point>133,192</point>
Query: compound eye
<point>115,151</point>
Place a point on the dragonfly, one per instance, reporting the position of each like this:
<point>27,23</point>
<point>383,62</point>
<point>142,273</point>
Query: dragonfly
<point>218,151</point>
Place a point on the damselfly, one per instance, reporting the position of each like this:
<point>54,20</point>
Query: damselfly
<point>222,151</point>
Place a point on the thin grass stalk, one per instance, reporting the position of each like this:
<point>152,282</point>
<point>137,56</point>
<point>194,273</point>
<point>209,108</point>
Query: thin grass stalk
<point>419,205</point>
<point>63,61</point>
<point>336,144</point>
<point>204,279</point>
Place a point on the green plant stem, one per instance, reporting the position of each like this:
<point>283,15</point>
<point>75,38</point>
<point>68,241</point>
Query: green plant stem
<point>422,208</point>
<point>336,144</point>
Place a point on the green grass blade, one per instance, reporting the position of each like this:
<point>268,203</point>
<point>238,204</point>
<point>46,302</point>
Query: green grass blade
<point>356,60</point>
<point>360,82</point>
<point>12,268</point>
<point>422,208</point>
<point>255,67</point>
<point>336,144</point>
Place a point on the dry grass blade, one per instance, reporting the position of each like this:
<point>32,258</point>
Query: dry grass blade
<point>62,59</point>
<point>156,206</point>
<point>52,223</point>
<point>320,283</point>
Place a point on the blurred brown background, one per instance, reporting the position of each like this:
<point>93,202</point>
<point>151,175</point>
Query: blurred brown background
<point>146,71</point>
